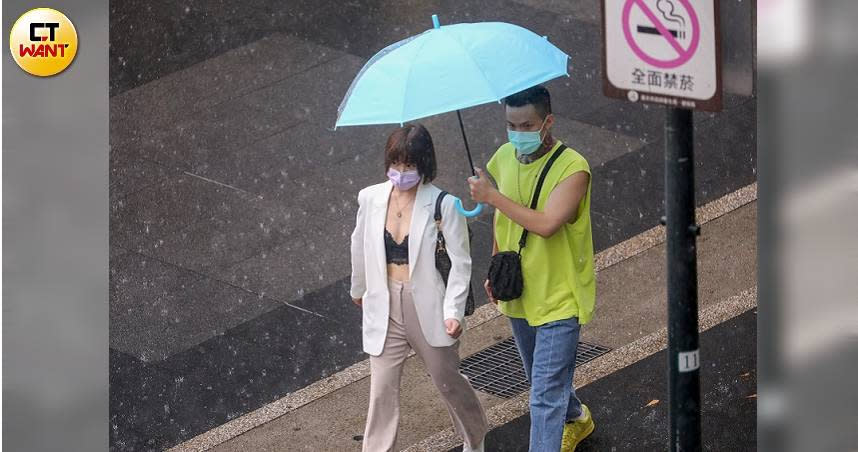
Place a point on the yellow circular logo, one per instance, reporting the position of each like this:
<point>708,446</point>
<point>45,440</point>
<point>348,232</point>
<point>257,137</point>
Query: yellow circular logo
<point>43,42</point>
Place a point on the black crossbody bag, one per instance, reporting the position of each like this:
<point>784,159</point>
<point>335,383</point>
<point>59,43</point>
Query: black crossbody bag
<point>505,275</point>
<point>442,259</point>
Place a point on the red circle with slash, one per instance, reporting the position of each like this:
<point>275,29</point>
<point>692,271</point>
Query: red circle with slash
<point>683,53</point>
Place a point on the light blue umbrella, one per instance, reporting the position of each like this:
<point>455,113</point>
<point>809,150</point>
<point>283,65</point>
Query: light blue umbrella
<point>449,68</point>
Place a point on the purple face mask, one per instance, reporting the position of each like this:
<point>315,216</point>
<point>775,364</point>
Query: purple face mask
<point>404,180</point>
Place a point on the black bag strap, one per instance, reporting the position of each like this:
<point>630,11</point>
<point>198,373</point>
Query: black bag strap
<point>438,206</point>
<point>535,199</point>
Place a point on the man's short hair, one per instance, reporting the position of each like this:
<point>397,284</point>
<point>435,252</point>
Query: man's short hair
<point>535,95</point>
<point>412,144</point>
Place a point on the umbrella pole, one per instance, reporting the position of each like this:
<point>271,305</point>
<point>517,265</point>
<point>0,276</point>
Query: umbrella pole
<point>476,211</point>
<point>465,137</point>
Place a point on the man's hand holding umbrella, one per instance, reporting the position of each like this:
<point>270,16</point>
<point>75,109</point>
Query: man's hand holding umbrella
<point>482,190</point>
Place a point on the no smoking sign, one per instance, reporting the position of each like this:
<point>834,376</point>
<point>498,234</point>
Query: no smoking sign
<point>662,51</point>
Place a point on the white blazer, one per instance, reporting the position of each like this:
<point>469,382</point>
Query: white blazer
<point>434,303</point>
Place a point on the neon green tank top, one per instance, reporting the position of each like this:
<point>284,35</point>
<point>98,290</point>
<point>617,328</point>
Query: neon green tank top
<point>558,272</point>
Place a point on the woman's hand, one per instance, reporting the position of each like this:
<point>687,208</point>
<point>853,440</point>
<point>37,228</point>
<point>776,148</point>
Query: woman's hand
<point>454,328</point>
<point>358,301</point>
<point>488,287</point>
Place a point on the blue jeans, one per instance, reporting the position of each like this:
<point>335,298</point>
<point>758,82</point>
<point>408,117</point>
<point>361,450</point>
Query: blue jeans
<point>548,353</point>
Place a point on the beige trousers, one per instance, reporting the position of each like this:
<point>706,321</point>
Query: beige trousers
<point>404,333</point>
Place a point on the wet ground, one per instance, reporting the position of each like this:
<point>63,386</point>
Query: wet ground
<point>232,198</point>
<point>630,406</point>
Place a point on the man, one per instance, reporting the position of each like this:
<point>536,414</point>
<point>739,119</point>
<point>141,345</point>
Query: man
<point>557,263</point>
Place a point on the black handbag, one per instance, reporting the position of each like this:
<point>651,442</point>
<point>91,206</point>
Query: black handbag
<point>442,259</point>
<point>505,276</point>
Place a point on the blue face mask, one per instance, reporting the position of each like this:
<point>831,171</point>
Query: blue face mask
<point>526,142</point>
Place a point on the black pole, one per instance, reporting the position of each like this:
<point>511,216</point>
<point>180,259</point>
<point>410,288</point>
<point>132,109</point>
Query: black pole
<point>682,231</point>
<point>467,148</point>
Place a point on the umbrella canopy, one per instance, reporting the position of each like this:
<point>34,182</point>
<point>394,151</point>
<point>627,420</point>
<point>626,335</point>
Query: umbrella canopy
<point>448,68</point>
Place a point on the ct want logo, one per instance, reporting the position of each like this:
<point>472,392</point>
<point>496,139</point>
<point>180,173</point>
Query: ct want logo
<point>43,42</point>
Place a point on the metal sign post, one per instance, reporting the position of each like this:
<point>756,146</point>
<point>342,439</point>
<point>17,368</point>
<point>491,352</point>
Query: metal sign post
<point>668,52</point>
<point>682,337</point>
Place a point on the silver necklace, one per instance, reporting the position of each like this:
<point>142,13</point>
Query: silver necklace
<point>399,212</point>
<point>518,183</point>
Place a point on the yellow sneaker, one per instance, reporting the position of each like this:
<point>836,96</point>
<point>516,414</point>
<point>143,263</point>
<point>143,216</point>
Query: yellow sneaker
<point>575,432</point>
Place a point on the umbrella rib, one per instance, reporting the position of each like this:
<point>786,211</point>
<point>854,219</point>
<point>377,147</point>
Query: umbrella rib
<point>405,85</point>
<point>480,69</point>
<point>366,67</point>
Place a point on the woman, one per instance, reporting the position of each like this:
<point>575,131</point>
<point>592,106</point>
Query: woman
<point>405,302</point>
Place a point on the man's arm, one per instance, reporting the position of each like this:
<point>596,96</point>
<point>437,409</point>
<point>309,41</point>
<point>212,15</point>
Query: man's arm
<point>561,208</point>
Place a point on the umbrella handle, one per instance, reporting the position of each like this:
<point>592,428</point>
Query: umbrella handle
<point>468,213</point>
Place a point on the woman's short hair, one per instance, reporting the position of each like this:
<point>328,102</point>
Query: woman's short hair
<point>412,144</point>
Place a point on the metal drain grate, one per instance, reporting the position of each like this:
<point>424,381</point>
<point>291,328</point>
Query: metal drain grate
<point>498,370</point>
